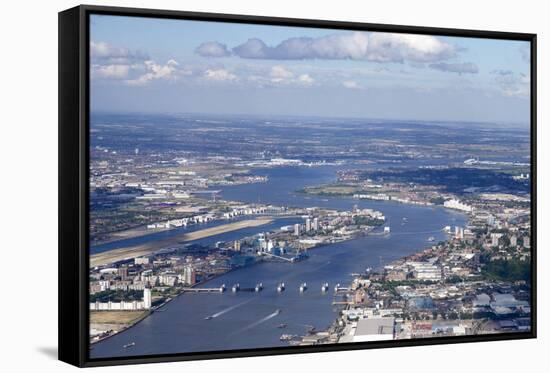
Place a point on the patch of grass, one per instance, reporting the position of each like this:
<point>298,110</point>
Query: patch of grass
<point>116,317</point>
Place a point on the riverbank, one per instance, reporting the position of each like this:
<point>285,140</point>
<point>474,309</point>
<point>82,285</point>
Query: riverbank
<point>109,323</point>
<point>150,247</point>
<point>340,333</point>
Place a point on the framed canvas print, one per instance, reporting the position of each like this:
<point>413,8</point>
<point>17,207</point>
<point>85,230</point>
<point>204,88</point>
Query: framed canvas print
<point>235,186</point>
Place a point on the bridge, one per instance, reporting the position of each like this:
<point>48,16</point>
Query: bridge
<point>258,288</point>
<point>220,289</point>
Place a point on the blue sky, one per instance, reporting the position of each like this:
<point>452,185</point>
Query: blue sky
<point>160,65</point>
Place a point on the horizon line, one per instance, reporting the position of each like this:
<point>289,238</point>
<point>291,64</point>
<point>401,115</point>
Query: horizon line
<point>508,125</point>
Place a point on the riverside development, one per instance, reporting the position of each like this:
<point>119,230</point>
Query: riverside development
<point>264,234</point>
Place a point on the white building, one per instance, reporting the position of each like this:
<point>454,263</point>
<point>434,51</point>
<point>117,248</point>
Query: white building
<point>374,329</point>
<point>316,224</point>
<point>147,298</point>
<point>457,205</point>
<point>425,271</point>
<point>495,239</point>
<point>124,305</point>
<point>142,260</point>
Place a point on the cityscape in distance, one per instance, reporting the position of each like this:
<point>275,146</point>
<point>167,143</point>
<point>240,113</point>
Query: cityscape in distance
<point>271,186</point>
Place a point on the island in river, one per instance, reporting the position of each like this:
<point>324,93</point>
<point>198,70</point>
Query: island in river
<point>148,248</point>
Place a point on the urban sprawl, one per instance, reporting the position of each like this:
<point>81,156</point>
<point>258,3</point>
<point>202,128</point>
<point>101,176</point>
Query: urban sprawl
<point>477,281</point>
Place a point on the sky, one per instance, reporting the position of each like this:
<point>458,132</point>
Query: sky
<point>150,65</point>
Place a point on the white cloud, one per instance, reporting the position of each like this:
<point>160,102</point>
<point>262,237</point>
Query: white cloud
<point>378,47</point>
<point>110,71</point>
<point>513,85</point>
<point>109,62</point>
<point>212,49</point>
<point>154,71</point>
<point>459,68</point>
<point>336,46</point>
<point>280,74</point>
<point>277,76</point>
<point>351,84</point>
<point>341,46</point>
<point>105,53</point>
<point>219,75</point>
<point>305,79</point>
<point>388,47</point>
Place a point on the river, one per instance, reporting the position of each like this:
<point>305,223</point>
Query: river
<point>249,320</point>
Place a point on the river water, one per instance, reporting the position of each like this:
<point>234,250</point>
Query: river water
<point>249,320</point>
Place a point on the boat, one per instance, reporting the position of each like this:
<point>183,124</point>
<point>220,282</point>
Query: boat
<point>131,344</point>
<point>287,337</point>
<point>431,239</point>
<point>278,311</point>
<point>282,326</point>
<point>281,287</point>
<point>208,318</point>
<point>303,287</point>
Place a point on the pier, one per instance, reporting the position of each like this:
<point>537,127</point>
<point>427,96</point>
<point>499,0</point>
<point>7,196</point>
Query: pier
<point>290,260</point>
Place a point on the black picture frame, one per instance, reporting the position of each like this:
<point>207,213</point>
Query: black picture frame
<point>74,111</point>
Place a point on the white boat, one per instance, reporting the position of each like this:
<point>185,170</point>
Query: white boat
<point>281,287</point>
<point>303,287</point>
<point>287,337</point>
<point>324,287</point>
